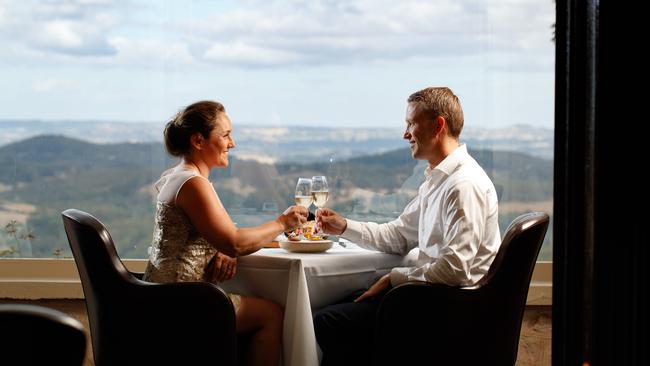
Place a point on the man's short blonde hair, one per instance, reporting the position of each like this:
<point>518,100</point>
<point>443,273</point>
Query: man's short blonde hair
<point>441,101</point>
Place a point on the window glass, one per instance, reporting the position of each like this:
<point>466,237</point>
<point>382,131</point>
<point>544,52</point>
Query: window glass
<point>312,88</point>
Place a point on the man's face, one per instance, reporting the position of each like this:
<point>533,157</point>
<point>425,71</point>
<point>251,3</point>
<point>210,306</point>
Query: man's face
<point>420,132</point>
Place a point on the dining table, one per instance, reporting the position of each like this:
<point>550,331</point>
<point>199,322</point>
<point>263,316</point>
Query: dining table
<point>306,282</point>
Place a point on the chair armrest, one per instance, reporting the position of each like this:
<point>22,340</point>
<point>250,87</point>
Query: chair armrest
<point>206,301</point>
<point>137,275</point>
<point>417,293</point>
<point>414,308</point>
<point>188,318</point>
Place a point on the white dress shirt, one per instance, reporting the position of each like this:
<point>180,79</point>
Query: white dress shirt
<point>453,220</point>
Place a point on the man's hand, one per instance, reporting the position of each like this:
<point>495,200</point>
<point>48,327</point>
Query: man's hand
<point>330,222</point>
<point>380,286</point>
<point>224,267</point>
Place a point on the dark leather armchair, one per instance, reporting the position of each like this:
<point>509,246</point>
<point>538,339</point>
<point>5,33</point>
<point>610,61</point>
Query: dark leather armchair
<point>423,323</point>
<point>137,322</point>
<point>36,335</point>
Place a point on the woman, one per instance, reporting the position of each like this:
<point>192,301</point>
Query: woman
<point>194,237</point>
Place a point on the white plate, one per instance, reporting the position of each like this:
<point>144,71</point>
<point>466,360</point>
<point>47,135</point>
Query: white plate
<point>306,246</point>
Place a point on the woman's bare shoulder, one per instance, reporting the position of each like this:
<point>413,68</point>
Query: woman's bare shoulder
<point>197,183</point>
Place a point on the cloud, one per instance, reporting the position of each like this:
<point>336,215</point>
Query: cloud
<point>67,27</point>
<point>281,33</point>
<point>146,52</point>
<point>242,54</point>
<point>338,32</point>
<point>70,37</point>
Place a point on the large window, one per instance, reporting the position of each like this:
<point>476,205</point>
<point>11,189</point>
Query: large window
<point>312,87</point>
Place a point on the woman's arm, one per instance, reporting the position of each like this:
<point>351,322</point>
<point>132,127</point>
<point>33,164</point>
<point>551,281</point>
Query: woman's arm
<point>199,201</point>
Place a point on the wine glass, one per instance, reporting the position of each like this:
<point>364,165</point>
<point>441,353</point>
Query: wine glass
<point>303,196</point>
<point>319,190</point>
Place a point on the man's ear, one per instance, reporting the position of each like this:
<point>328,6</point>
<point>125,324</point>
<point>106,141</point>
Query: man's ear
<point>196,141</point>
<point>439,125</point>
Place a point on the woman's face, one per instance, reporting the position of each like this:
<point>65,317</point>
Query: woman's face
<point>216,147</point>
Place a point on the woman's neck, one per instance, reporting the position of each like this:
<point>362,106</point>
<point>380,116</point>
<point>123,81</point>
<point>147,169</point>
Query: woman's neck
<point>198,166</point>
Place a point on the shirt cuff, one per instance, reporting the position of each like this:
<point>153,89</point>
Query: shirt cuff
<point>353,232</point>
<point>398,276</point>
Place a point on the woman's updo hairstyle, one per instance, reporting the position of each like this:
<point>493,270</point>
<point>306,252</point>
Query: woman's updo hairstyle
<point>200,117</point>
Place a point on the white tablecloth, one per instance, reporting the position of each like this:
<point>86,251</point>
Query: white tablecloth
<point>303,282</point>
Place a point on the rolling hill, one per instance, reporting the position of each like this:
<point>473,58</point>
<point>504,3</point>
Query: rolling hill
<point>114,182</point>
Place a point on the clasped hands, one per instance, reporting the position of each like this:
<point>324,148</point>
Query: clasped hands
<point>223,267</point>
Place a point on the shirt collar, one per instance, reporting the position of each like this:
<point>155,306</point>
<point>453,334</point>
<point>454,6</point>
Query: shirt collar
<point>448,164</point>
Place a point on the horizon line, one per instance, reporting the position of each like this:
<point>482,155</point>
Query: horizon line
<point>249,124</point>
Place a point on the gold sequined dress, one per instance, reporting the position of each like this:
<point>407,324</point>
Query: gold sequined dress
<point>178,252</point>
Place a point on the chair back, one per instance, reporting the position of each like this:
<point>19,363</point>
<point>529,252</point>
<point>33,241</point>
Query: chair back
<point>491,311</point>
<point>506,284</point>
<point>138,322</point>
<point>36,335</point>
<point>101,271</point>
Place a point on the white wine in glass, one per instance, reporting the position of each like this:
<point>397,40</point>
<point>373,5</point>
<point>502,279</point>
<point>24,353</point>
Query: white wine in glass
<point>319,190</point>
<point>303,195</point>
<point>320,198</point>
<point>304,201</point>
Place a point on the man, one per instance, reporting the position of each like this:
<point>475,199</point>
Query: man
<point>453,221</point>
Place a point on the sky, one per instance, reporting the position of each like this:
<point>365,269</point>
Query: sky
<point>276,63</point>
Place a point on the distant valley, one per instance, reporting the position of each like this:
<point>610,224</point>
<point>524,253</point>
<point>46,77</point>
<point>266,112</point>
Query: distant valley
<point>45,175</point>
<point>287,144</point>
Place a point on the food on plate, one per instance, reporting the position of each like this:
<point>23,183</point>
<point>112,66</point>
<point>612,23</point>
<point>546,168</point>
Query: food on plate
<point>307,232</point>
<point>308,229</point>
<point>293,236</point>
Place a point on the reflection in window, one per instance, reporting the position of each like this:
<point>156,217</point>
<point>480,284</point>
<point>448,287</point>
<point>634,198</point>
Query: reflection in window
<point>313,88</point>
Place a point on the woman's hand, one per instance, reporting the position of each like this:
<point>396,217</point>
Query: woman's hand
<point>330,222</point>
<point>293,217</point>
<point>224,267</point>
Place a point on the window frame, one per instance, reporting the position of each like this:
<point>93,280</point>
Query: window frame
<point>46,278</point>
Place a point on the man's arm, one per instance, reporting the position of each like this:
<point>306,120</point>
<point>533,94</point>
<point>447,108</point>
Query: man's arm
<point>464,225</point>
<point>398,236</point>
